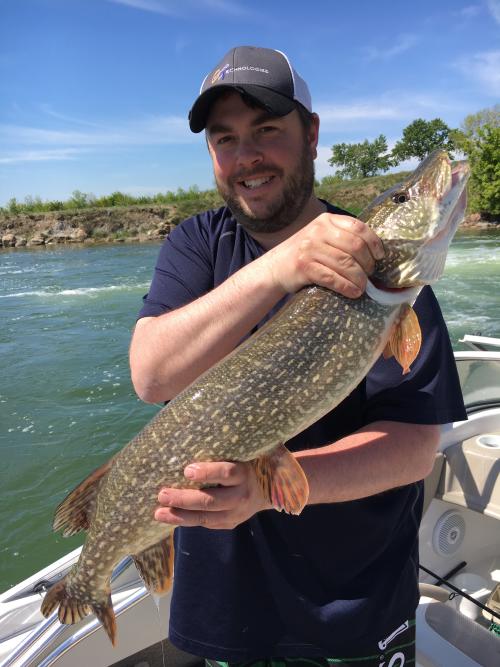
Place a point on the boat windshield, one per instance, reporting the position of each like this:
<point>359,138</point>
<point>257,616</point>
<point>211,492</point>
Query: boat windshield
<point>479,374</point>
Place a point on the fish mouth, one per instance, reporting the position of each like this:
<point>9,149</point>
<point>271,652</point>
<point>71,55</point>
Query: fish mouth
<point>452,205</point>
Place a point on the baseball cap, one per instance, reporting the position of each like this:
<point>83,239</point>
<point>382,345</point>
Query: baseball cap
<point>266,75</point>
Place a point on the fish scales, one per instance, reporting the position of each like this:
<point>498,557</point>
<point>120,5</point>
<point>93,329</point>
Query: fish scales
<point>294,370</point>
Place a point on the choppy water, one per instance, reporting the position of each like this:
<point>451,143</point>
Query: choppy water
<point>66,401</point>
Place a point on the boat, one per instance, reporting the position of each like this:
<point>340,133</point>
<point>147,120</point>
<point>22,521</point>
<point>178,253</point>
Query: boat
<point>458,618</point>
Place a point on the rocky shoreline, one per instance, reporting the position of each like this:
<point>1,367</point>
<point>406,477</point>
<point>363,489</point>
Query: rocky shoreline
<point>104,225</point>
<point>130,224</point>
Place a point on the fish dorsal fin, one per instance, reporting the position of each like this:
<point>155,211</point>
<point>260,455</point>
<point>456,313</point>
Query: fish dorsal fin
<point>282,480</point>
<point>406,339</point>
<point>156,565</point>
<point>76,510</point>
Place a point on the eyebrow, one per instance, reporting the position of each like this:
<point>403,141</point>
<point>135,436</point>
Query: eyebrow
<point>264,117</point>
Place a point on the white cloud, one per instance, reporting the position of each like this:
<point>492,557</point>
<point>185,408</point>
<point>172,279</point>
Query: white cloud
<point>494,7</point>
<point>152,130</point>
<point>156,6</point>
<point>391,105</point>
<point>47,109</point>
<point>41,156</point>
<point>403,43</point>
<point>188,8</point>
<point>321,166</point>
<point>469,11</point>
<point>484,68</point>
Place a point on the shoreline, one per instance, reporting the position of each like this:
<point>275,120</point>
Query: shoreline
<point>130,224</point>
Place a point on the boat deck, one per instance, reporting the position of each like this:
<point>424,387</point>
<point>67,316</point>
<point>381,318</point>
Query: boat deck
<point>155,656</point>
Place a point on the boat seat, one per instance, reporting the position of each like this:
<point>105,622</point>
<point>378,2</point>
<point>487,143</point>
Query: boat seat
<point>463,634</point>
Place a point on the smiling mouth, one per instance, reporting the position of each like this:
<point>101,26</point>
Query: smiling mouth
<point>253,183</point>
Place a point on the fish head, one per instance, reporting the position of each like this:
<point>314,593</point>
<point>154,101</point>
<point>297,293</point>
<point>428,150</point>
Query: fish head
<point>417,219</point>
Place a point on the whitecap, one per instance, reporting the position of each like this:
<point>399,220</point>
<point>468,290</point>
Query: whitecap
<point>83,291</point>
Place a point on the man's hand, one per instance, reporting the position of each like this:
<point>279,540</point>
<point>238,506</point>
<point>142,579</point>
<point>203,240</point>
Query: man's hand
<point>236,498</point>
<point>335,251</point>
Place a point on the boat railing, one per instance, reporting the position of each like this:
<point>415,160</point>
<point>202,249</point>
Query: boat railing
<point>28,652</point>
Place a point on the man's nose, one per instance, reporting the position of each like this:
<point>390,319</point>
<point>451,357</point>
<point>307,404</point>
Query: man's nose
<point>248,153</point>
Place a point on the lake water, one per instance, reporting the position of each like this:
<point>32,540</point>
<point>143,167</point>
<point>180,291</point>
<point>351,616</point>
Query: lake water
<point>66,401</point>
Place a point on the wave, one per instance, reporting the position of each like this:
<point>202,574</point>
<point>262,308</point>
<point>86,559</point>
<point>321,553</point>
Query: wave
<point>81,291</point>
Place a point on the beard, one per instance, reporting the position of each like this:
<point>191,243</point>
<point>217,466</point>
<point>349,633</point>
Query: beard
<point>286,207</point>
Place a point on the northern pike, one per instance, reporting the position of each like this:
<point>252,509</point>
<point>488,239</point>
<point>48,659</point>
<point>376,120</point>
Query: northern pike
<point>285,377</point>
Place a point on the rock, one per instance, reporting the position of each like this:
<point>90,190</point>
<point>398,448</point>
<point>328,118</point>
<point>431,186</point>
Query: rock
<point>38,239</point>
<point>79,235</point>
<point>20,242</point>
<point>9,240</point>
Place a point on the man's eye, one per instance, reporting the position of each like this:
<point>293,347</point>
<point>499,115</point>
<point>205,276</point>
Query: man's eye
<point>223,140</point>
<point>266,129</point>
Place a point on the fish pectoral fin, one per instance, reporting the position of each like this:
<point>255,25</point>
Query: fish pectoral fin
<point>406,338</point>
<point>71,609</point>
<point>282,480</point>
<point>75,512</point>
<point>156,565</point>
<point>387,353</point>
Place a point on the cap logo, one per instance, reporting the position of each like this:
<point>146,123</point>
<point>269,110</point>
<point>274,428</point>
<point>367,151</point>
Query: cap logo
<point>220,73</point>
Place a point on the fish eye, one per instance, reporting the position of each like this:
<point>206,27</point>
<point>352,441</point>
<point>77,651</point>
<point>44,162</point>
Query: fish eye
<point>400,197</point>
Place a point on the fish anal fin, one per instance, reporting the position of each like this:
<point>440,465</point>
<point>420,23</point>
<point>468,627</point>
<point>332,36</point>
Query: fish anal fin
<point>156,565</point>
<point>71,609</point>
<point>282,480</point>
<point>406,338</point>
<point>74,513</point>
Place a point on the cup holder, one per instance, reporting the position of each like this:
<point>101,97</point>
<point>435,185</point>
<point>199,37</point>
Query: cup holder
<point>489,441</point>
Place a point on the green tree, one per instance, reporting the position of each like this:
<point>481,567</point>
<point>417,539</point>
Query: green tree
<point>13,206</point>
<point>421,138</point>
<point>361,160</point>
<point>479,140</point>
<point>468,135</point>
<point>484,160</point>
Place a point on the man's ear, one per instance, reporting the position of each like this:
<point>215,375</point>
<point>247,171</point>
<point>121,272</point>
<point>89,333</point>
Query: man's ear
<point>313,135</point>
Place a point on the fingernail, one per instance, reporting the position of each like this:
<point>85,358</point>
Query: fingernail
<point>190,471</point>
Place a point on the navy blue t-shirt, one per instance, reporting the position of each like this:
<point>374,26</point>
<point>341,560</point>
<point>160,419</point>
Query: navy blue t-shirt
<point>329,582</point>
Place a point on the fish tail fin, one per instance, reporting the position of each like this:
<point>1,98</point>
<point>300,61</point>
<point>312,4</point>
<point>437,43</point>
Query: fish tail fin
<point>71,609</point>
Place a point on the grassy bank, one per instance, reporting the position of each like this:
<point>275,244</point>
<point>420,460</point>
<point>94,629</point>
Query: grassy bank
<point>121,217</point>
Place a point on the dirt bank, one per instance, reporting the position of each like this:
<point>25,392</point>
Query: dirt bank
<point>131,223</point>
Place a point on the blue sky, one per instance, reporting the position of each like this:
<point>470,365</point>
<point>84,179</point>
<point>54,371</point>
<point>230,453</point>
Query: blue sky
<point>94,94</point>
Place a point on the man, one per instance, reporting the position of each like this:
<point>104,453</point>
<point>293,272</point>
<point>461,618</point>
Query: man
<point>336,585</point>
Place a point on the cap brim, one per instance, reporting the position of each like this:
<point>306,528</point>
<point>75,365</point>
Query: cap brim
<point>275,103</point>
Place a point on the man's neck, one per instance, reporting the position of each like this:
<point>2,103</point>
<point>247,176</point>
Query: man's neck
<point>268,240</point>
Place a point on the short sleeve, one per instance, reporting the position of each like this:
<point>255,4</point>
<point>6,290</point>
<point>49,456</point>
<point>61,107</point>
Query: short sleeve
<point>183,271</point>
<point>430,393</point>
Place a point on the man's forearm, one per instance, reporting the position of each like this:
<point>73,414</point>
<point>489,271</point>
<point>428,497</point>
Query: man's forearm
<point>378,457</point>
<point>168,352</point>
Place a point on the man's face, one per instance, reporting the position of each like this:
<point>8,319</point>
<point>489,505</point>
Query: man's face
<point>263,164</point>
